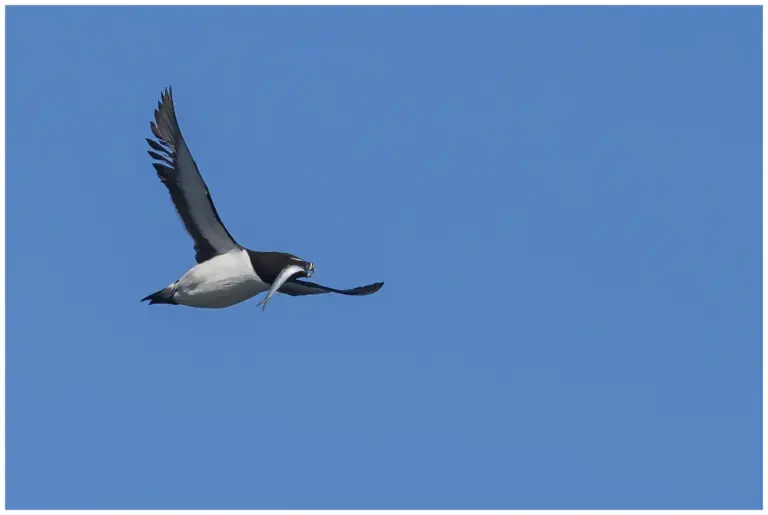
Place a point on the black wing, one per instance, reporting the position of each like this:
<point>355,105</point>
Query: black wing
<point>189,193</point>
<point>296,287</point>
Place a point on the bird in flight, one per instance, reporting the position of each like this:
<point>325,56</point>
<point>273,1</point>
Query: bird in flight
<point>226,272</point>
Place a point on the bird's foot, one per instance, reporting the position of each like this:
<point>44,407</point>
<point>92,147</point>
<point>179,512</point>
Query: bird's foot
<point>263,304</point>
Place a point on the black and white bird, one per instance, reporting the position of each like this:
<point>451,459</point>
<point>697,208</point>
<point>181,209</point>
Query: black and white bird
<point>226,272</point>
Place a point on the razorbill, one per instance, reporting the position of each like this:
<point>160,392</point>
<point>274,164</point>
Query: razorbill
<point>226,272</point>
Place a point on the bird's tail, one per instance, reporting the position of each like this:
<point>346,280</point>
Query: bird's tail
<point>164,296</point>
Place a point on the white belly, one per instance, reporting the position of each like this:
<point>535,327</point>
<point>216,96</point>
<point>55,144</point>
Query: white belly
<point>219,282</point>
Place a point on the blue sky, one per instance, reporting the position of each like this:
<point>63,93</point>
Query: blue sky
<point>564,204</point>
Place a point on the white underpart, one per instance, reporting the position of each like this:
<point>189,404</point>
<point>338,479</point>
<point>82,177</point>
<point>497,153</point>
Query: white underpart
<point>284,276</point>
<point>220,282</point>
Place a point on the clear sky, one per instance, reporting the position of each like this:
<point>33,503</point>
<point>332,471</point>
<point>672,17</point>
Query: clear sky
<point>564,204</point>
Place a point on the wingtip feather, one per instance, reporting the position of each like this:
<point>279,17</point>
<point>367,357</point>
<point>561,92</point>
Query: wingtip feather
<point>376,287</point>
